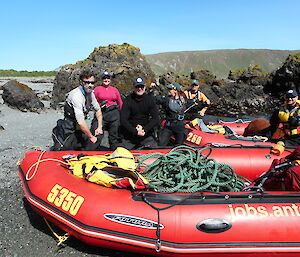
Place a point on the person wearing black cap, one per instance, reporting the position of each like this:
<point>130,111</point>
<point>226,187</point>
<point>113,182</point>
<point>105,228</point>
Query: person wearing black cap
<point>289,116</point>
<point>139,118</point>
<point>110,101</point>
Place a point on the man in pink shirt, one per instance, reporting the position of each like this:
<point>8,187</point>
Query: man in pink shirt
<point>109,98</point>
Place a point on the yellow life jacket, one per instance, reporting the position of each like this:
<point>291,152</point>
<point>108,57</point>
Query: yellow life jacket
<point>284,114</point>
<point>115,169</point>
<point>192,123</point>
<point>219,128</point>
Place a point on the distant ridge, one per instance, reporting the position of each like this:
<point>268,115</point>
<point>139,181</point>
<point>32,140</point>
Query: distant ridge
<point>219,62</point>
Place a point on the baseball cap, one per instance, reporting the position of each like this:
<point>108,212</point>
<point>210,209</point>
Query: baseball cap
<point>175,86</point>
<point>291,93</point>
<point>139,81</point>
<point>105,74</point>
<point>195,82</point>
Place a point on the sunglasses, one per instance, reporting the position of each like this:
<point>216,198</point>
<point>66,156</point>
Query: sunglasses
<point>88,82</point>
<point>173,88</point>
<point>140,86</point>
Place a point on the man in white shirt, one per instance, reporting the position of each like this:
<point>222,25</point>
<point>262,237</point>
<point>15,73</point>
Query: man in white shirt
<point>73,132</point>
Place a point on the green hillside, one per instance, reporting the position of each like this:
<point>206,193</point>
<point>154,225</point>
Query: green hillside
<point>24,73</point>
<point>219,62</point>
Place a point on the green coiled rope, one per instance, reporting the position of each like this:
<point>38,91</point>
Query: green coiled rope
<point>188,170</point>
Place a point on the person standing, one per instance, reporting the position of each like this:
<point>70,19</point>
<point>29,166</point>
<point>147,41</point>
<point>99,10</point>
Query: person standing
<point>110,101</point>
<point>139,118</point>
<point>73,133</point>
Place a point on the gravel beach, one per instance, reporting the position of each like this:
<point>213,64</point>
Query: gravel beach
<point>24,233</point>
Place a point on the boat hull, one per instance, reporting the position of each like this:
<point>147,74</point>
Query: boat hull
<point>255,224</point>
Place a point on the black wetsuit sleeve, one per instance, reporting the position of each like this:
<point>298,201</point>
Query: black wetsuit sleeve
<point>125,114</point>
<point>154,120</point>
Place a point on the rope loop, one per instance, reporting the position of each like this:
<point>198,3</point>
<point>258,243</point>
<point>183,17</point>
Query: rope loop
<point>188,170</point>
<point>61,239</point>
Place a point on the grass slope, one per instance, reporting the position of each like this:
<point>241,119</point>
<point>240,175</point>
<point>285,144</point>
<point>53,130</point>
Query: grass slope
<point>219,62</point>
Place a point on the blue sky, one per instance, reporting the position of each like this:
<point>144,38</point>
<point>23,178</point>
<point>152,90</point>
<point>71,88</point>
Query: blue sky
<point>43,35</point>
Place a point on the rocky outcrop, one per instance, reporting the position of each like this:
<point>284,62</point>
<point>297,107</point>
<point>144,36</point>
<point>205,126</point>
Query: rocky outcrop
<point>236,100</point>
<point>252,75</point>
<point>205,77</point>
<point>124,61</point>
<point>286,77</point>
<point>20,96</point>
<point>171,77</point>
<point>231,97</point>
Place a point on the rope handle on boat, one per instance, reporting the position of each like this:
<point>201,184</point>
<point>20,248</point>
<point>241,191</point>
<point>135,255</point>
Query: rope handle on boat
<point>24,152</point>
<point>255,137</point>
<point>158,240</point>
<point>235,121</point>
<point>61,239</point>
<point>36,165</point>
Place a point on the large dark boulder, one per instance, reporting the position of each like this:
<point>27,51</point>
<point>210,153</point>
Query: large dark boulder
<point>286,77</point>
<point>124,61</point>
<point>20,96</point>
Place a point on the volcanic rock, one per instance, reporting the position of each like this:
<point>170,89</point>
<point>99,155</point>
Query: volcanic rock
<point>252,75</point>
<point>20,96</point>
<point>124,61</point>
<point>236,100</point>
<point>204,77</point>
<point>286,77</point>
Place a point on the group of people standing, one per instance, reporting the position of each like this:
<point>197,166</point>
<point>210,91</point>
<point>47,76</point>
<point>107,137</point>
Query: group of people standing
<point>133,123</point>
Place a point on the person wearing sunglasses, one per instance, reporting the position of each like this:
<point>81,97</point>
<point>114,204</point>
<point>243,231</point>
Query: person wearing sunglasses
<point>195,94</point>
<point>289,116</point>
<point>139,118</point>
<point>110,101</point>
<point>73,133</point>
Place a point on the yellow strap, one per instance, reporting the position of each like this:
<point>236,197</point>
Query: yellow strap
<point>61,239</point>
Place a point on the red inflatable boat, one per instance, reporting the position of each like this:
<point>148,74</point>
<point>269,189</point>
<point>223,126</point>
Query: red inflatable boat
<point>231,134</point>
<point>201,138</point>
<point>200,224</point>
